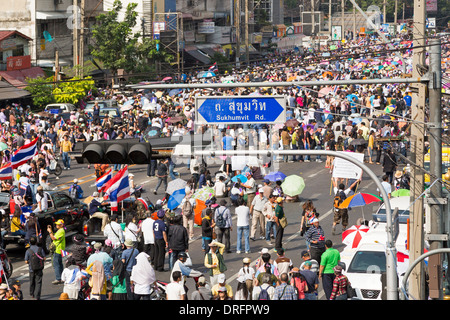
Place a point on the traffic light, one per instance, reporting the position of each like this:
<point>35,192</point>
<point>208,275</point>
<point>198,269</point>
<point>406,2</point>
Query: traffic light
<point>119,151</point>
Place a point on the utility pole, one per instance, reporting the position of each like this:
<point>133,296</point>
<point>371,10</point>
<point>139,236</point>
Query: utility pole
<point>329,19</point>
<point>237,20</point>
<point>436,206</point>
<point>343,18</point>
<point>417,280</point>
<point>82,38</point>
<point>75,35</point>
<point>247,53</point>
<point>313,21</point>
<point>56,66</point>
<point>395,15</point>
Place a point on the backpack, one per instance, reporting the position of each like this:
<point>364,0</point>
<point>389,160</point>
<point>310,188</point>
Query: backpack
<point>36,261</point>
<point>187,209</point>
<point>76,192</point>
<point>263,295</point>
<point>220,221</point>
<point>339,198</point>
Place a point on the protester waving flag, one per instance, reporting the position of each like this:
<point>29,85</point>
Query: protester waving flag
<point>214,67</point>
<point>24,153</point>
<point>118,188</point>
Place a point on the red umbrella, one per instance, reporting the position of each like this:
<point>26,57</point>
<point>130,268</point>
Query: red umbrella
<point>353,235</point>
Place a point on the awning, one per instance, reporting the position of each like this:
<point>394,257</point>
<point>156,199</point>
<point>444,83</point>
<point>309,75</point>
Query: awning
<point>47,15</point>
<point>17,78</point>
<point>197,55</point>
<point>9,92</point>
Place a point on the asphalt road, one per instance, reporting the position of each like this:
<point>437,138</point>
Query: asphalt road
<point>318,189</point>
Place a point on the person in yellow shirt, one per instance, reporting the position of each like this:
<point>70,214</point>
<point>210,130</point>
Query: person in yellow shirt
<point>222,283</point>
<point>17,228</point>
<point>370,145</point>
<point>65,148</point>
<point>214,261</point>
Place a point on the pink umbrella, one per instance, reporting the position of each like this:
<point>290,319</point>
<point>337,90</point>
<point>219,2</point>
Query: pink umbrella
<point>167,79</point>
<point>353,235</point>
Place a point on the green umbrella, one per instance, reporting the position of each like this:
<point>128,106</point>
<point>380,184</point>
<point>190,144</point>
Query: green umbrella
<point>3,146</point>
<point>204,193</point>
<point>400,193</point>
<point>293,185</point>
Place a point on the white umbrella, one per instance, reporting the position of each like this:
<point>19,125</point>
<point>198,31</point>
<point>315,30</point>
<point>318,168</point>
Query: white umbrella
<point>176,184</point>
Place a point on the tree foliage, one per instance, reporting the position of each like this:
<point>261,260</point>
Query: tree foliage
<point>41,90</point>
<point>73,90</point>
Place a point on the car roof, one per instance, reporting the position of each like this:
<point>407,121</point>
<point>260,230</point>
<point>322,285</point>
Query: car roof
<point>402,203</point>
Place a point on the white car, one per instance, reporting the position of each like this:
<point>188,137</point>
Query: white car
<point>60,108</point>
<point>365,264</point>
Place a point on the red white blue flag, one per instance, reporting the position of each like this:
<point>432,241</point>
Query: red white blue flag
<point>6,171</point>
<point>101,181</point>
<point>214,67</point>
<point>24,153</point>
<point>118,188</point>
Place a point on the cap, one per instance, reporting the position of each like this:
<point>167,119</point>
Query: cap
<point>161,213</point>
<point>222,289</point>
<point>261,190</point>
<point>264,250</point>
<point>280,199</point>
<point>95,194</point>
<point>305,253</point>
<point>337,269</point>
<point>201,280</point>
<point>308,263</point>
<point>221,278</point>
<point>75,180</point>
<point>266,181</point>
<point>60,221</point>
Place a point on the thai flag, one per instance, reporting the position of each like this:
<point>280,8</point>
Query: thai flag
<point>214,67</point>
<point>143,202</point>
<point>118,188</point>
<point>64,253</point>
<point>6,171</point>
<point>24,153</point>
<point>61,122</point>
<point>101,181</point>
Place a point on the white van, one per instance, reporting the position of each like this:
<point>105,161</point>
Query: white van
<point>58,108</point>
<point>365,264</point>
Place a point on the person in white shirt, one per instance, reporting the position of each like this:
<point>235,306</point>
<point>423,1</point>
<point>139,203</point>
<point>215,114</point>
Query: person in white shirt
<point>175,290</point>
<point>131,229</point>
<point>243,227</point>
<point>113,231</point>
<point>220,187</point>
<point>41,199</point>
<point>147,232</point>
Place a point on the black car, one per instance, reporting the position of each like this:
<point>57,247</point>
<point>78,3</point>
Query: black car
<point>73,212</point>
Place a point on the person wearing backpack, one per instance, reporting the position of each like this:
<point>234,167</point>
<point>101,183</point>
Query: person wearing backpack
<point>75,190</point>
<point>35,258</point>
<point>222,217</point>
<point>341,213</point>
<point>187,211</point>
<point>265,291</point>
<point>298,281</point>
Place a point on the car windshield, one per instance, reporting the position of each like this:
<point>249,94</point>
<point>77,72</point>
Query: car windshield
<point>368,262</point>
<point>400,212</point>
<point>110,112</point>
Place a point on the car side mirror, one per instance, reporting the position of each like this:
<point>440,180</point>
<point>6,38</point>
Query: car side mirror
<point>342,264</point>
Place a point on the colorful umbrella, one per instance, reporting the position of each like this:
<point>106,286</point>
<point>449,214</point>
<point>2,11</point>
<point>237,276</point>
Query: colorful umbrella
<point>359,200</point>
<point>400,193</point>
<point>204,193</point>
<point>389,109</point>
<point>241,177</point>
<point>293,185</point>
<point>176,198</point>
<point>175,185</point>
<point>275,176</point>
<point>353,235</point>
<point>292,123</point>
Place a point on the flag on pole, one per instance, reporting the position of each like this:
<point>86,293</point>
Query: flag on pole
<point>24,153</point>
<point>6,171</point>
<point>118,188</point>
<point>64,253</point>
<point>214,67</point>
<point>102,180</point>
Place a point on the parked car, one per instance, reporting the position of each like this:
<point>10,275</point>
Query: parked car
<point>402,203</point>
<point>57,108</point>
<point>102,103</point>
<point>113,113</point>
<point>60,206</point>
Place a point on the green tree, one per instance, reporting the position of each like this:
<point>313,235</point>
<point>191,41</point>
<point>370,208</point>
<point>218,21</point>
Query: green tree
<point>73,90</point>
<point>149,51</point>
<point>41,90</point>
<point>115,43</point>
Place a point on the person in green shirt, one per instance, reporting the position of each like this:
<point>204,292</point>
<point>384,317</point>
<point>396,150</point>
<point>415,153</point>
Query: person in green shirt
<point>118,281</point>
<point>329,259</point>
<point>59,243</point>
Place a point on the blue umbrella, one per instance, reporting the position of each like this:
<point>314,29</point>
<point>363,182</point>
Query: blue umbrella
<point>206,74</point>
<point>174,92</point>
<point>128,102</point>
<point>176,198</point>
<point>275,176</point>
<point>241,177</point>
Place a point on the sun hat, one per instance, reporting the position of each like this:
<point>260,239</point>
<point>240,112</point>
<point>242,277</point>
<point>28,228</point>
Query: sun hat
<point>128,243</point>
